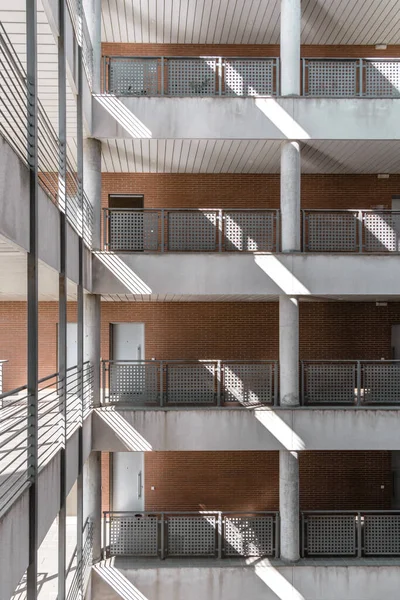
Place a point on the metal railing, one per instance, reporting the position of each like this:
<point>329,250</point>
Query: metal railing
<point>14,100</point>
<point>184,534</point>
<point>2,363</point>
<point>350,533</point>
<point>80,577</point>
<point>190,76</point>
<point>191,230</point>
<point>349,77</point>
<point>351,230</point>
<point>350,382</point>
<point>190,383</point>
<point>53,428</point>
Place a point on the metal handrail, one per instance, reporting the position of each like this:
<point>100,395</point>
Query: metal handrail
<point>221,541</point>
<point>221,230</point>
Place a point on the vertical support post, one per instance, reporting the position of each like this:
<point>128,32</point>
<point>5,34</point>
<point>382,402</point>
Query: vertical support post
<point>289,505</point>
<point>290,47</point>
<point>220,220</point>
<point>219,381</point>
<point>277,534</point>
<point>289,350</point>
<point>360,231</point>
<point>162,229</point>
<point>32,293</point>
<point>220,66</point>
<point>161,383</point>
<point>92,10</point>
<point>92,178</point>
<point>105,534</point>
<point>162,75</point>
<point>290,196</point>
<point>277,76</point>
<point>276,383</point>
<point>62,281</point>
<point>219,534</point>
<point>359,536</point>
<point>162,538</point>
<point>358,400</point>
<point>360,76</point>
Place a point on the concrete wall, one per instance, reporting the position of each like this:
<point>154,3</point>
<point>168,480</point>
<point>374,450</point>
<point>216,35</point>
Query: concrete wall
<point>245,118</point>
<point>259,582</point>
<point>238,429</point>
<point>261,274</point>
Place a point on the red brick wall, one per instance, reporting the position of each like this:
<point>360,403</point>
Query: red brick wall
<point>230,190</point>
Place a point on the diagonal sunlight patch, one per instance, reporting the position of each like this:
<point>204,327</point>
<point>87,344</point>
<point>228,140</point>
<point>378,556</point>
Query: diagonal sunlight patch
<point>117,581</point>
<point>275,581</point>
<point>127,434</point>
<point>123,273</point>
<point>124,117</point>
<point>279,429</point>
<point>281,119</point>
<point>281,275</point>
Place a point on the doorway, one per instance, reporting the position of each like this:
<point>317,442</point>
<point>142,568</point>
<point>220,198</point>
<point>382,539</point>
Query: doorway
<point>127,341</point>
<point>127,481</point>
<point>395,342</point>
<point>127,371</point>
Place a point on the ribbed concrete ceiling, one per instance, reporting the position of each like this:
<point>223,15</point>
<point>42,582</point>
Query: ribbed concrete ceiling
<point>246,156</point>
<point>248,21</point>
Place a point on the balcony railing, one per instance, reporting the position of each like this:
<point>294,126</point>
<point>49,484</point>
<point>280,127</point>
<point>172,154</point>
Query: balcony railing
<point>190,76</point>
<point>351,230</point>
<point>191,230</point>
<point>56,423</point>
<point>351,382</point>
<point>188,534</point>
<point>190,383</point>
<point>350,533</point>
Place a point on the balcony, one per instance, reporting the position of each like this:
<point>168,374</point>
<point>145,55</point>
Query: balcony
<point>247,384</point>
<point>248,77</point>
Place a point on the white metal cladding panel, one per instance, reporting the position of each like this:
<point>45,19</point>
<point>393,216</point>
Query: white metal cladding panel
<point>248,536</point>
<point>381,383</point>
<point>382,78</point>
<point>330,383</point>
<point>134,536</point>
<point>248,384</point>
<point>249,231</point>
<point>249,77</point>
<point>135,383</point>
<point>191,384</point>
<point>331,78</point>
<point>331,535</point>
<point>382,231</point>
<point>381,535</point>
<point>191,536</point>
<point>133,76</point>
<point>191,77</point>
<point>134,231</point>
<point>330,232</point>
<point>192,231</point>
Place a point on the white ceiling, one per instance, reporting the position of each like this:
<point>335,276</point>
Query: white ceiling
<point>246,156</point>
<point>248,21</point>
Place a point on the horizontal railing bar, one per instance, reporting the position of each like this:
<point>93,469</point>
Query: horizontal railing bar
<point>200,57</point>
<point>140,210</point>
<point>349,512</point>
<point>185,512</point>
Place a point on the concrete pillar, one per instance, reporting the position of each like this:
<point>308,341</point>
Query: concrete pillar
<point>92,10</point>
<point>289,351</point>
<point>290,47</point>
<point>92,184</point>
<point>91,340</point>
<point>290,196</point>
<point>92,499</point>
<point>289,505</point>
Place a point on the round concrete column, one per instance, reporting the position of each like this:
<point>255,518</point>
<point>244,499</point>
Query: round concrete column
<point>92,499</point>
<point>91,340</point>
<point>92,183</point>
<point>92,9</point>
<point>290,47</point>
<point>290,196</point>
<point>289,351</point>
<point>289,505</point>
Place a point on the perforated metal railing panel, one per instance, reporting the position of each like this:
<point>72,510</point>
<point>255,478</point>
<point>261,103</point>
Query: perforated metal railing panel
<point>195,536</point>
<point>331,232</point>
<point>331,535</point>
<point>331,78</point>
<point>249,231</point>
<point>253,77</point>
<point>381,535</point>
<point>330,383</point>
<point>131,76</point>
<point>382,78</point>
<point>133,230</point>
<point>191,77</point>
<point>248,536</point>
<point>134,383</point>
<point>130,535</point>
<point>381,231</point>
<point>381,383</point>
<point>192,231</point>
<point>191,384</point>
<point>248,384</point>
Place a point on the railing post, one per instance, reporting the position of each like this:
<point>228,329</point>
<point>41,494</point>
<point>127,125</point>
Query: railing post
<point>220,59</point>
<point>219,387</point>
<point>219,540</point>
<point>278,233</point>
<point>360,230</point>
<point>162,230</point>
<point>302,384</point>
<point>161,383</point>
<point>277,75</point>
<point>303,76</point>
<point>277,534</point>
<point>359,535</point>
<point>276,382</point>
<point>303,229</point>
<point>105,535</point>
<point>360,76</point>
<point>220,228</point>
<point>358,383</point>
<point>162,76</point>
<point>303,534</point>
<point>162,538</point>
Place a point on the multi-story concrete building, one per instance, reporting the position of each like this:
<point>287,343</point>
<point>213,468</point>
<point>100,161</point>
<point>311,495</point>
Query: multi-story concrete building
<point>199,299</point>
